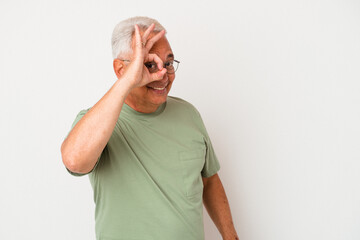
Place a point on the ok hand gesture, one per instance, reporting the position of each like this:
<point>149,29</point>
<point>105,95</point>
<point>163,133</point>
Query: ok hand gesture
<point>136,73</point>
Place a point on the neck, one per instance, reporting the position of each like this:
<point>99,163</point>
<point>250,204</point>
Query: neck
<point>143,108</point>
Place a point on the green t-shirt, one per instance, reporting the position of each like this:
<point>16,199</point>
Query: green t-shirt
<point>147,182</point>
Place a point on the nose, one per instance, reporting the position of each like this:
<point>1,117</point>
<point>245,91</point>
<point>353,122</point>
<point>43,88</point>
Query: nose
<point>165,78</point>
<point>161,82</point>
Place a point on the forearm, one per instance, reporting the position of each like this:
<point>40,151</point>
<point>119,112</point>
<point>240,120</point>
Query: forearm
<point>85,142</point>
<point>217,205</point>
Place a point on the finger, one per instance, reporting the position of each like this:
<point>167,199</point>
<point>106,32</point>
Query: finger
<point>138,43</point>
<point>158,75</point>
<point>152,57</point>
<point>147,32</point>
<point>152,40</point>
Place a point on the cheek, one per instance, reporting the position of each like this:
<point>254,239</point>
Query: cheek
<point>171,78</point>
<point>140,91</point>
<point>171,81</point>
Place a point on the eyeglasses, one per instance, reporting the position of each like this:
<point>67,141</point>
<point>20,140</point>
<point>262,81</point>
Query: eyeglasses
<point>171,66</point>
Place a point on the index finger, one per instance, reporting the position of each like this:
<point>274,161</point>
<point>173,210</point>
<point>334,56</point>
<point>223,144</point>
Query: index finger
<point>147,32</point>
<point>152,40</point>
<point>138,43</point>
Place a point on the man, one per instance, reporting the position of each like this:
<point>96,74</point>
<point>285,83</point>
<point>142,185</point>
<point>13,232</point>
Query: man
<point>149,158</point>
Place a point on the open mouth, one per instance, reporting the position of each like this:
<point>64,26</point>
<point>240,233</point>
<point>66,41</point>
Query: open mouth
<point>158,88</point>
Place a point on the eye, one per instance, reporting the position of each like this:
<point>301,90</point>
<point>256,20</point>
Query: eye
<point>169,64</point>
<point>150,65</point>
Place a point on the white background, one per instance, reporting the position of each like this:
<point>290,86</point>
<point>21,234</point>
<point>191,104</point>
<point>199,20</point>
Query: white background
<point>276,82</point>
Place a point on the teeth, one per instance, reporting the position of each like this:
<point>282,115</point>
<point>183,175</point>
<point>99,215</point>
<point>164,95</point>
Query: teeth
<point>159,88</point>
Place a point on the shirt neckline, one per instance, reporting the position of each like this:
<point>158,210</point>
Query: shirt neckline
<point>132,112</point>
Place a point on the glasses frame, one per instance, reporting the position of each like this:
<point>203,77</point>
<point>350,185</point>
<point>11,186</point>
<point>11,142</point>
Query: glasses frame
<point>177,66</point>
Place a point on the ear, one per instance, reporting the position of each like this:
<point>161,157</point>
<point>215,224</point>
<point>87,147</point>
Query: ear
<point>119,67</point>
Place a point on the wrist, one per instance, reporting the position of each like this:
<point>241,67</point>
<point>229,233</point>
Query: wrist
<point>232,236</point>
<point>124,84</point>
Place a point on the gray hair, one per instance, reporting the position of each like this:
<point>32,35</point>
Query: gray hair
<point>123,32</point>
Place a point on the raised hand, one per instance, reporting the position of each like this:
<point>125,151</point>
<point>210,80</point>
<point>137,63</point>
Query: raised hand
<point>136,73</point>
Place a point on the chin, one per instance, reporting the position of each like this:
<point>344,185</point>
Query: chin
<point>159,97</point>
<point>159,100</point>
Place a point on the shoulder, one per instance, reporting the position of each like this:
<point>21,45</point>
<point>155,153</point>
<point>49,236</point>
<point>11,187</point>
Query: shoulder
<point>83,111</point>
<point>79,115</point>
<point>186,112</point>
<point>181,104</point>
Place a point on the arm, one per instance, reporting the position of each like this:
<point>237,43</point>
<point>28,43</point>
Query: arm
<point>85,142</point>
<point>216,204</point>
<point>87,139</point>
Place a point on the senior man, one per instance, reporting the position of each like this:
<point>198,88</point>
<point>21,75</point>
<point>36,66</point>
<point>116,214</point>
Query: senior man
<point>148,156</point>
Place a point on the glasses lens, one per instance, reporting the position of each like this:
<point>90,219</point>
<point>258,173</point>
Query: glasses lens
<point>172,66</point>
<point>169,67</point>
<point>176,65</point>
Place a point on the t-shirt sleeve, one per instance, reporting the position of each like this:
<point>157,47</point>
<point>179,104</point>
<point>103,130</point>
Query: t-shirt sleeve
<point>211,165</point>
<point>77,119</point>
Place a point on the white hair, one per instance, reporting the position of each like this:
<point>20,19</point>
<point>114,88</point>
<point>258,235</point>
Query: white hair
<point>123,32</point>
